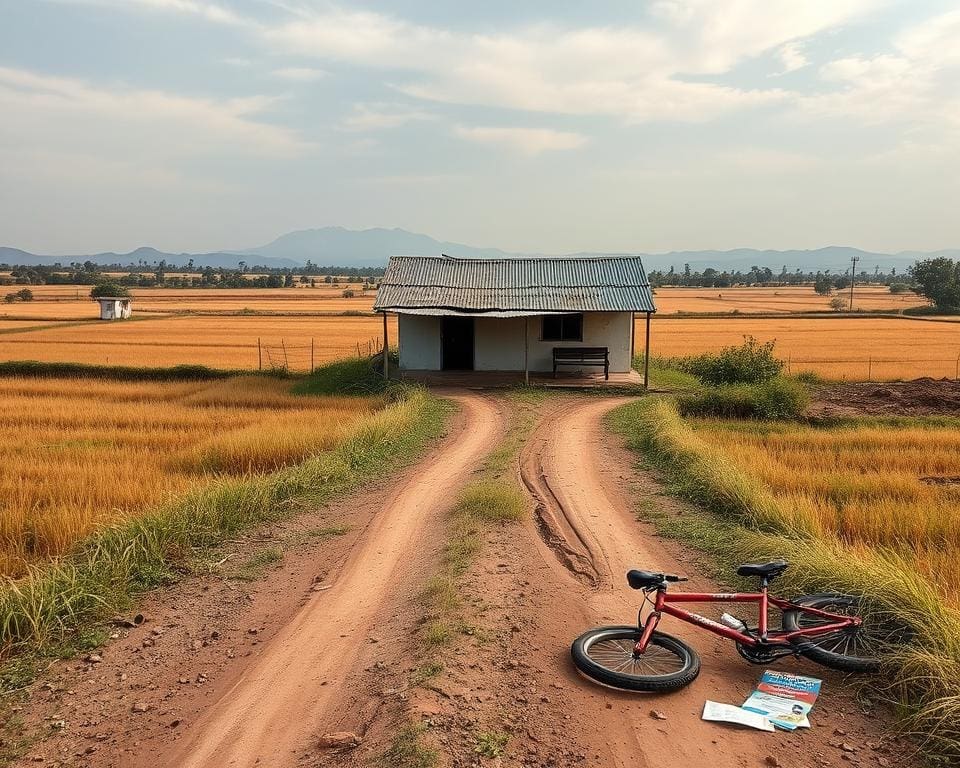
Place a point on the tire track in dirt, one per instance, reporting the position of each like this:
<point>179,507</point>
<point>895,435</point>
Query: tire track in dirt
<point>283,699</point>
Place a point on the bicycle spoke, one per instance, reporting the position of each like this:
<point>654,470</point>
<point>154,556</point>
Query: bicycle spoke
<point>617,655</point>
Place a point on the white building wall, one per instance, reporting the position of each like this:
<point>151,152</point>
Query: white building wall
<point>600,329</point>
<point>419,341</point>
<point>499,342</point>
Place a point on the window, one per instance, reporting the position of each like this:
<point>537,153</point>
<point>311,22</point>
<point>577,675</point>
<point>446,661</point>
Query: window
<point>562,328</point>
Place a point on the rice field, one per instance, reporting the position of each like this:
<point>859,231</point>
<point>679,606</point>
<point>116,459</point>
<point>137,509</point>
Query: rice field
<point>217,342</point>
<point>868,485</point>
<point>783,299</point>
<point>836,348</point>
<point>78,454</point>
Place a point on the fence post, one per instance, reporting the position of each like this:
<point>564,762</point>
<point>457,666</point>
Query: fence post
<point>286,363</point>
<point>789,369</point>
<point>311,354</point>
<point>958,368</point>
<point>870,368</point>
<point>259,355</point>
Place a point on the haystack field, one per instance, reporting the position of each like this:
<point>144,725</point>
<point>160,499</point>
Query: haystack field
<point>851,348</point>
<point>81,453</point>
<point>870,485</point>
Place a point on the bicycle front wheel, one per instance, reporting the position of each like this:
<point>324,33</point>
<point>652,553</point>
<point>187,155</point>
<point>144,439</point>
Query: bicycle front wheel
<point>606,655</point>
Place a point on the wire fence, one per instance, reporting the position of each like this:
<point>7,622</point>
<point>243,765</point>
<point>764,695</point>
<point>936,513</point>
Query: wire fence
<point>877,368</point>
<point>286,356</point>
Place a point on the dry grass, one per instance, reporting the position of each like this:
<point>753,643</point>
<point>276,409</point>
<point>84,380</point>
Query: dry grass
<point>834,347</point>
<point>868,486</point>
<point>79,454</point>
<point>218,342</point>
<point>786,299</point>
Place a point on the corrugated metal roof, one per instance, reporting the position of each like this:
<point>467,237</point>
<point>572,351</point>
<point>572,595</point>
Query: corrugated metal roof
<point>561,284</point>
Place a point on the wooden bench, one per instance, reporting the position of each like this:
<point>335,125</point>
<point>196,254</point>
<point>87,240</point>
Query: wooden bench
<point>582,356</point>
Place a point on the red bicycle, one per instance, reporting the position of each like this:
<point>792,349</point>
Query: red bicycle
<point>829,629</point>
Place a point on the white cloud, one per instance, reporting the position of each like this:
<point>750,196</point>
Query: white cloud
<point>792,57</point>
<point>210,11</point>
<point>528,141</point>
<point>300,74</point>
<point>378,116</point>
<point>40,110</point>
<point>638,73</point>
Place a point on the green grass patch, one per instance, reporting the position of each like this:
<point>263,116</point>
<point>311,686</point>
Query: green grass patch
<point>666,374</point>
<point>740,520</point>
<point>351,376</point>
<point>409,751</point>
<point>777,398</point>
<point>491,743</point>
<point>34,369</point>
<point>256,565</point>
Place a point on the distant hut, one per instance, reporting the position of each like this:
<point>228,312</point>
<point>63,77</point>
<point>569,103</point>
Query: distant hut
<point>114,307</point>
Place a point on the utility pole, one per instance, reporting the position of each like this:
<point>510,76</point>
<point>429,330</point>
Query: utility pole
<point>853,278</point>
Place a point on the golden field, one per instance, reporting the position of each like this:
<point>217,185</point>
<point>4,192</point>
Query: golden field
<point>80,453</point>
<point>218,342</point>
<point>834,347</point>
<point>70,301</point>
<point>871,487</point>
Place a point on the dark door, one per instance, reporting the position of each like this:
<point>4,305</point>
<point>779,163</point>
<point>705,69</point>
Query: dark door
<point>457,335</point>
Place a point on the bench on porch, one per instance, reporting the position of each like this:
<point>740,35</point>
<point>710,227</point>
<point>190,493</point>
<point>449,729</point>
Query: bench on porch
<point>598,356</point>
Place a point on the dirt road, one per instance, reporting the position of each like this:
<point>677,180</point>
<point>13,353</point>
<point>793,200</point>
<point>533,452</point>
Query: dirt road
<point>564,572</point>
<point>281,702</point>
<point>327,642</point>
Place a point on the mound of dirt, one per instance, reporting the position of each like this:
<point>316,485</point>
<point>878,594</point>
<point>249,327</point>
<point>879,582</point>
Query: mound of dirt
<point>920,397</point>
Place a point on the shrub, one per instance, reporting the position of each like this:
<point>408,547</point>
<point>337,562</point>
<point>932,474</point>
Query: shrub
<point>25,294</point>
<point>108,289</point>
<point>777,398</point>
<point>348,294</point>
<point>10,298</point>
<point>837,304</point>
<point>899,288</point>
<point>748,363</point>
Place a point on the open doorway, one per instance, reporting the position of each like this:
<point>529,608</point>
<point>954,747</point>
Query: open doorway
<point>457,343</point>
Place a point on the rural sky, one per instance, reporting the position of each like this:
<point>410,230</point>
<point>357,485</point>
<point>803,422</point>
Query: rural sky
<point>546,125</point>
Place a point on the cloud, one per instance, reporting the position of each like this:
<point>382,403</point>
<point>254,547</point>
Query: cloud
<point>792,57</point>
<point>300,74</point>
<point>528,141</point>
<point>37,108</point>
<point>378,116</point>
<point>212,12</point>
<point>640,73</point>
<point>915,83</point>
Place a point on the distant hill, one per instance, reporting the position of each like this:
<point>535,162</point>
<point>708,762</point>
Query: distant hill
<point>331,246</point>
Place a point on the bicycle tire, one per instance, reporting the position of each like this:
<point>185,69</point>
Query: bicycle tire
<point>843,651</point>
<point>669,647</point>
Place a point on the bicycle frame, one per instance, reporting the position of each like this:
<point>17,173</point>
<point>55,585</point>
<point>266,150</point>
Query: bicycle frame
<point>664,603</point>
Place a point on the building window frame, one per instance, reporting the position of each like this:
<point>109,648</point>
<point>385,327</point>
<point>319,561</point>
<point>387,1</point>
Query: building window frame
<point>562,327</point>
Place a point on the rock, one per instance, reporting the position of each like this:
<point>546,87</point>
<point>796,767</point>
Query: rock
<point>340,740</point>
<point>174,723</point>
<point>253,631</point>
<point>196,645</point>
<point>656,714</point>
<point>140,706</point>
<point>93,658</point>
<point>848,747</point>
<point>772,761</point>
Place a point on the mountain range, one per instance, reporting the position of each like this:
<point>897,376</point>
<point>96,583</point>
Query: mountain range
<point>336,246</point>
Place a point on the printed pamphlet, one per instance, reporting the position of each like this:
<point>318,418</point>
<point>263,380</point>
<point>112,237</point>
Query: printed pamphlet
<point>784,699</point>
<point>727,713</point>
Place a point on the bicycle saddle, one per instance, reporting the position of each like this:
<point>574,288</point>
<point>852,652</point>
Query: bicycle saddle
<point>766,570</point>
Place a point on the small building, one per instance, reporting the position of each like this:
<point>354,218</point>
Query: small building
<point>115,307</point>
<point>529,315</point>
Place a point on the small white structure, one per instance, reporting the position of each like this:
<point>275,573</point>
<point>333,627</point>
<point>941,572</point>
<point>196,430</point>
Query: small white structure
<point>523,315</point>
<point>115,307</point>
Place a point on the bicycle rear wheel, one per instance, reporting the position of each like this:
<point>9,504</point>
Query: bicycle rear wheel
<point>856,649</point>
<point>605,654</point>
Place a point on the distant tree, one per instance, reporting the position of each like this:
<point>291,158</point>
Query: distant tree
<point>25,295</point>
<point>288,280</point>
<point>899,288</point>
<point>939,280</point>
<point>841,282</point>
<point>823,285</point>
<point>108,289</point>
<point>348,294</point>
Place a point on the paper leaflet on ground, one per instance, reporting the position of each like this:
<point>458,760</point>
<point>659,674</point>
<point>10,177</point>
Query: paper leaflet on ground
<point>784,699</point>
<point>727,713</point>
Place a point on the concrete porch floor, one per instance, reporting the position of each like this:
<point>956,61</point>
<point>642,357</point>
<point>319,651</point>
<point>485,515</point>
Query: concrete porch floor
<point>495,379</point>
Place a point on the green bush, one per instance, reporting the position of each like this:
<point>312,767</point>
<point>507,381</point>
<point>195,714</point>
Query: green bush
<point>777,398</point>
<point>748,363</point>
<point>350,376</point>
<point>899,288</point>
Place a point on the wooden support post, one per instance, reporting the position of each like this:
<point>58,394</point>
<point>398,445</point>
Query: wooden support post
<point>259,355</point>
<point>526,351</point>
<point>646,356</point>
<point>386,349</point>
<point>311,354</point>
<point>633,337</point>
<point>286,363</point>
